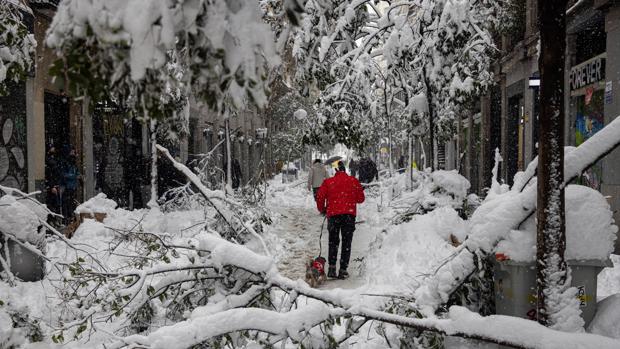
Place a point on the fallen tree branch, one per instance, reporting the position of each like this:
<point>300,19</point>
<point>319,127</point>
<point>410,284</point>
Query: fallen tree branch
<point>208,194</point>
<point>505,212</point>
<point>206,323</point>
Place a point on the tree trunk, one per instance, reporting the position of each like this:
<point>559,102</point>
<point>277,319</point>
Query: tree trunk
<point>153,201</point>
<point>431,119</point>
<point>551,239</point>
<point>410,161</point>
<point>459,144</point>
<point>228,158</point>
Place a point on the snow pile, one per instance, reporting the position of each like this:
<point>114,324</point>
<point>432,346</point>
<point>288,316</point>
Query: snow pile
<point>20,218</point>
<point>10,337</point>
<point>430,191</point>
<point>181,223</point>
<point>97,204</point>
<point>451,182</point>
<point>607,318</point>
<point>410,250</point>
<point>590,229</point>
<point>609,279</point>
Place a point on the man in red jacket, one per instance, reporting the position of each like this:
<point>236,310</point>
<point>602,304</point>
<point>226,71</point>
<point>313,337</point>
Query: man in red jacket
<point>338,197</point>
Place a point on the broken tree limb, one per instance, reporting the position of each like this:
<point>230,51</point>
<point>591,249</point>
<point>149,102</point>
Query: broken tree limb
<point>210,194</point>
<point>230,315</point>
<point>494,219</point>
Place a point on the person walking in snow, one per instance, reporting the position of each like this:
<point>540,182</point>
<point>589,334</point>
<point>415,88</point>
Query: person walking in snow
<point>401,164</point>
<point>367,170</point>
<point>317,175</point>
<point>353,167</point>
<point>53,177</point>
<point>69,186</point>
<point>338,197</point>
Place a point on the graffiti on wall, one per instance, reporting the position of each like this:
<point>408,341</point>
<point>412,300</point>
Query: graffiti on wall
<point>13,168</point>
<point>113,133</point>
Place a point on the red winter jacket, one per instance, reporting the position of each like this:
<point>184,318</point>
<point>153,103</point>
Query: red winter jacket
<point>340,194</point>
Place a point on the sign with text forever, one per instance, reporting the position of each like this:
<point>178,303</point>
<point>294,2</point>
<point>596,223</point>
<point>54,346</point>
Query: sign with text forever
<point>587,73</point>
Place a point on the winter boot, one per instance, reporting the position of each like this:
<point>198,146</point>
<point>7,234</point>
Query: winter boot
<point>331,273</point>
<point>343,274</point>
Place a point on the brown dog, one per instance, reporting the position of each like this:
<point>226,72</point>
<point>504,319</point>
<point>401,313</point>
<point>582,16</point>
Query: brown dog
<point>315,271</point>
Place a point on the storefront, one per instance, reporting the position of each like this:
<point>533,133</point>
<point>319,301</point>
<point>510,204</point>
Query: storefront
<point>587,108</point>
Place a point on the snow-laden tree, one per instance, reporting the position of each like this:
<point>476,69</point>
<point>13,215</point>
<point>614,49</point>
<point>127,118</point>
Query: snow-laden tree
<point>122,50</point>
<point>556,303</point>
<point>17,46</point>
<point>290,116</point>
<point>119,49</point>
<point>440,48</point>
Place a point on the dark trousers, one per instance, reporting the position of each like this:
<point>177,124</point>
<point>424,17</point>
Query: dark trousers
<point>68,204</point>
<point>340,225</point>
<point>315,191</point>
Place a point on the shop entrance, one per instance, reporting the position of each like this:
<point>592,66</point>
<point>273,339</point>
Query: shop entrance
<point>56,122</point>
<point>57,146</point>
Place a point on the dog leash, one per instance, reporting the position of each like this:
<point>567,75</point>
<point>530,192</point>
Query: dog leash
<point>321,237</point>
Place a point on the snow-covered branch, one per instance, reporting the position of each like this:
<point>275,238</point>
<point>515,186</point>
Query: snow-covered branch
<point>17,46</point>
<point>501,213</point>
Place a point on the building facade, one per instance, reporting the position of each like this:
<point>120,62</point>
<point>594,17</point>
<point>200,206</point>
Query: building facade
<point>509,111</point>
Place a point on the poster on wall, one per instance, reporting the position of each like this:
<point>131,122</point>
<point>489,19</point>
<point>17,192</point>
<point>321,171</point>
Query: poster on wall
<point>588,121</point>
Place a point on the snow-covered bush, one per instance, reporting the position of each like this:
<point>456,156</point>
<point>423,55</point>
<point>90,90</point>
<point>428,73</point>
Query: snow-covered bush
<point>97,204</point>
<point>17,46</point>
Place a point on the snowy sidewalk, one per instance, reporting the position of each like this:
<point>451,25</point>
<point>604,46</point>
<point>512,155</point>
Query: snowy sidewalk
<point>299,227</point>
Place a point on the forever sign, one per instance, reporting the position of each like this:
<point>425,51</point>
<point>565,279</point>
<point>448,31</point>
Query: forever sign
<point>587,73</point>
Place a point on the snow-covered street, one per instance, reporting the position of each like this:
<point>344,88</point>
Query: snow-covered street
<point>172,173</point>
<point>298,226</point>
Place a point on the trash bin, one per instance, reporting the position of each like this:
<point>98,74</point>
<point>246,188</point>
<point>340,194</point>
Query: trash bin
<point>515,287</point>
<point>25,265</point>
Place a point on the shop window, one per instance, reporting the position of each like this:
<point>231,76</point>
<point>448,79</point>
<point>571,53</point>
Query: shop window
<point>589,119</point>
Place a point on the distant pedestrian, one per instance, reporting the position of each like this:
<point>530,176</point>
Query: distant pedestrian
<point>69,185</point>
<point>367,170</point>
<point>317,175</point>
<point>353,165</point>
<point>53,173</point>
<point>401,164</point>
<point>236,174</point>
<point>338,198</point>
